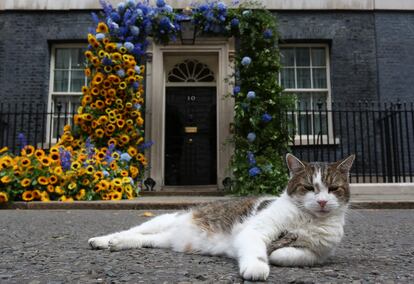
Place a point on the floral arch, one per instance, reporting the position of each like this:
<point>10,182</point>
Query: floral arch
<point>102,156</point>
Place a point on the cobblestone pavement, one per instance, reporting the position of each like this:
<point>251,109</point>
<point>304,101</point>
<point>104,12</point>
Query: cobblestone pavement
<point>51,247</point>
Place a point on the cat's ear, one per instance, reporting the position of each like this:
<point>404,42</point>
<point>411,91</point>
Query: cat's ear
<point>294,164</point>
<point>345,164</point>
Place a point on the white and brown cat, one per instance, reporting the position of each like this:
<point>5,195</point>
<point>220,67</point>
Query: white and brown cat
<point>301,227</point>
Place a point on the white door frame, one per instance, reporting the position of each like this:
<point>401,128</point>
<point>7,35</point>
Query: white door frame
<point>223,49</point>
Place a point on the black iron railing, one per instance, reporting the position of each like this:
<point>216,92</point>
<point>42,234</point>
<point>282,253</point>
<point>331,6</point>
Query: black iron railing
<point>381,135</point>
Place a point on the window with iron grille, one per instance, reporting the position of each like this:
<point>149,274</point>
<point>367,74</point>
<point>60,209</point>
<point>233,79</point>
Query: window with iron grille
<point>65,90</point>
<point>305,74</point>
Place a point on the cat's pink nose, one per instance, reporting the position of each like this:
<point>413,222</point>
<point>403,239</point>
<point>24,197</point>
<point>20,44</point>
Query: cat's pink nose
<point>322,203</point>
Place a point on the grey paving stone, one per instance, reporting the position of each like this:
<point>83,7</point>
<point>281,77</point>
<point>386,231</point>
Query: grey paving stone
<point>40,246</point>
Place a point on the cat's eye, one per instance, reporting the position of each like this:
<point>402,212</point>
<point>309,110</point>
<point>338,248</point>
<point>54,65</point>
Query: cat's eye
<point>333,188</point>
<point>308,187</point>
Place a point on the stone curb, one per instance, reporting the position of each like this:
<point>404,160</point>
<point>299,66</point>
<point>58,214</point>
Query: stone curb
<point>166,205</point>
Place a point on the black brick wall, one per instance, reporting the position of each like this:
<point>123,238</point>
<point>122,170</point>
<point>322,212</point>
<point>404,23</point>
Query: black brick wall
<point>25,44</point>
<point>395,47</point>
<point>351,36</point>
<point>371,53</point>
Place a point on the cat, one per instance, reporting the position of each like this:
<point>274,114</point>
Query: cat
<point>301,227</point>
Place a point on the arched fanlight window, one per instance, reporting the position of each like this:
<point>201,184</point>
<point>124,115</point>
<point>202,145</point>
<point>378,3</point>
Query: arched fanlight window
<point>190,70</point>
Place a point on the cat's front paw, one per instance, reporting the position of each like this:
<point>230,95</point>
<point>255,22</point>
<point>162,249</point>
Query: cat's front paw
<point>99,242</point>
<point>123,242</point>
<point>255,270</point>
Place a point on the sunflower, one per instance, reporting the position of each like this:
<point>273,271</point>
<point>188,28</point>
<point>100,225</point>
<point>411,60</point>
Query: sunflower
<point>114,79</point>
<point>140,121</point>
<point>95,61</point>
<point>98,175</point>
<point>100,104</point>
<point>116,182</point>
<point>124,138</point>
<point>105,196</point>
<point>36,194</point>
<point>122,85</point>
<point>65,198</point>
<point>59,190</point>
<point>86,181</point>
<point>54,156</point>
<point>25,182</point>
<point>88,54</point>
<point>132,151</point>
<point>75,165</point>
<point>45,161</point>
<point>108,102</point>
<point>28,195</point>
<point>124,173</point>
<point>28,150</point>
<point>81,194</point>
<point>120,123</point>
<point>100,155</point>
<point>39,153</point>
<point>50,188</point>
<point>44,196</point>
<point>117,57</point>
<point>72,186</point>
<point>5,179</point>
<point>88,72</point>
<point>112,141</point>
<point>110,47</point>
<point>134,171</point>
<point>108,68</point>
<point>58,170</point>
<point>3,197</point>
<point>116,195</point>
<point>25,162</point>
<point>118,189</point>
<point>99,133</point>
<point>43,180</point>
<point>115,155</point>
<point>122,49</point>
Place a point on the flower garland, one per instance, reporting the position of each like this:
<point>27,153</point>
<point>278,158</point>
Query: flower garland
<point>102,156</point>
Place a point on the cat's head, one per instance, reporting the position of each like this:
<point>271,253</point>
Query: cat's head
<point>321,189</point>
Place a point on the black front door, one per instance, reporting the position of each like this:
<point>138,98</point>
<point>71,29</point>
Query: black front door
<point>190,136</point>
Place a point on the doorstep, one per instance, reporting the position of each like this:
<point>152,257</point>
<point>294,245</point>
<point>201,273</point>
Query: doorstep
<point>184,202</point>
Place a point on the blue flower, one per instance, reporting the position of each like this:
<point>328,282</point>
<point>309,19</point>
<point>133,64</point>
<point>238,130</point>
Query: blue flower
<point>266,117</point>
<point>235,22</point>
<point>251,95</point>
<point>221,6</point>
<point>254,171</point>
<point>130,3</point>
<point>100,36</point>
<point>134,30</point>
<point>236,90</point>
<point>114,26</point>
<point>135,86</point>
<point>267,34</point>
<point>250,158</point>
<point>137,69</point>
<point>168,9</point>
<point>160,3</point>
<point>121,7</point>
<point>137,106</point>
<point>115,17</point>
<point>65,159</point>
<point>145,145</point>
<point>251,137</point>
<point>105,173</point>
<point>246,61</point>
<point>121,73</point>
<point>106,61</point>
<point>129,46</point>
<point>125,157</point>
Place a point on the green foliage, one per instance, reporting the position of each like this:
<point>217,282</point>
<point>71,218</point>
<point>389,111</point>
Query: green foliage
<point>257,39</point>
